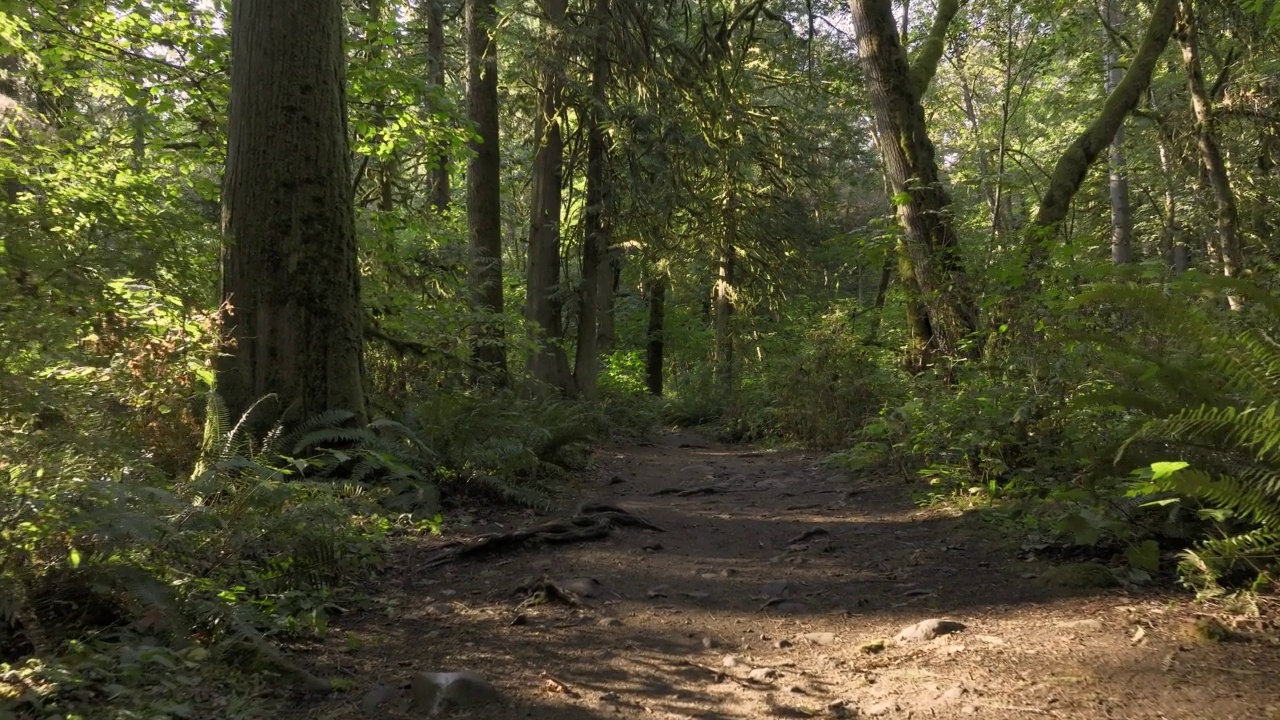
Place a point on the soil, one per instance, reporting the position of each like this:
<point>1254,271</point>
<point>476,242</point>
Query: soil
<point>776,590</point>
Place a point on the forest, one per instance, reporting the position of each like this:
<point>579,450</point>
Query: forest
<point>290,286</point>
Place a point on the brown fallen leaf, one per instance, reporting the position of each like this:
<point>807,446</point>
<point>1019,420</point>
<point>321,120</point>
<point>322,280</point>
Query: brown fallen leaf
<point>552,684</point>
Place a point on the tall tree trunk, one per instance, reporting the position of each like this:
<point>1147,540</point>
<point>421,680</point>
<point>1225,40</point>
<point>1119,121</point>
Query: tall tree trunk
<point>596,240</point>
<point>1215,167</point>
<point>548,364</point>
<point>434,12</point>
<point>1121,218</point>
<point>290,279</point>
<point>607,280</point>
<point>930,241</point>
<point>387,165</point>
<point>654,339</point>
<point>882,293</point>
<point>723,309</point>
<point>484,202</point>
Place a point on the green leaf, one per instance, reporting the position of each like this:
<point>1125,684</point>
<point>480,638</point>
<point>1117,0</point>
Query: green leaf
<point>1144,556</point>
<point>1161,470</point>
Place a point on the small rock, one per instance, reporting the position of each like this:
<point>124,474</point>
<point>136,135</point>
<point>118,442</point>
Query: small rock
<point>616,480</point>
<point>435,692</point>
<point>782,644</point>
<point>609,622</point>
<point>729,661</point>
<point>695,594</point>
<point>610,697</point>
<point>708,643</point>
<point>777,589</point>
<point>763,675</point>
<point>928,630</point>
<point>657,592</point>
<point>728,572</point>
<point>377,697</point>
<point>839,709</point>
<point>969,709</point>
<point>871,647</point>
<point>820,638</point>
<point>952,694</point>
<point>797,690</point>
<point>1208,630</point>
<point>652,547</point>
<point>882,708</point>
<point>1089,624</point>
<point>583,587</point>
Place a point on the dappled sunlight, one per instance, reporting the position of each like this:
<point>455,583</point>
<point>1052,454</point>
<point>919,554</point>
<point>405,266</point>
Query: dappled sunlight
<point>740,611</point>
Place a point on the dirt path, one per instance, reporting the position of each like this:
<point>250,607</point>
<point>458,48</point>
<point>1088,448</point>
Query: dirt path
<point>684,619</point>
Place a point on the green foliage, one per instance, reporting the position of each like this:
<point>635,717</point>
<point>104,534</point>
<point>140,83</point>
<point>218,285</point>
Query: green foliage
<point>1232,456</point>
<point>109,578</point>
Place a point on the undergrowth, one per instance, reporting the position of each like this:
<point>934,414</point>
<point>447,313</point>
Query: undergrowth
<point>128,591</point>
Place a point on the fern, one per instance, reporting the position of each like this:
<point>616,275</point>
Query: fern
<point>1231,446</point>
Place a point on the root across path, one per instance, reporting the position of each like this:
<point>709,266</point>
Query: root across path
<point>786,591</point>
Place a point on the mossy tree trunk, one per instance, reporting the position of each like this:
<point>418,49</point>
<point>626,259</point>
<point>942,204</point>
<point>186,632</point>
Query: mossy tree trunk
<point>930,245</point>
<point>484,200</point>
<point>595,243</point>
<point>291,318</point>
<point>1074,163</point>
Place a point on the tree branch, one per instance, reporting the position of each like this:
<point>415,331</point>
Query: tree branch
<point>930,53</point>
<point>1075,161</point>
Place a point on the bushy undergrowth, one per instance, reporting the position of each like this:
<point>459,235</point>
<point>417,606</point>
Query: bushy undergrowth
<point>813,383</point>
<point>1184,386</point>
<point>124,584</point>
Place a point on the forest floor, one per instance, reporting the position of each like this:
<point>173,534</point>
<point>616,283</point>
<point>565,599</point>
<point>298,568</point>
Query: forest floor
<point>778,594</point>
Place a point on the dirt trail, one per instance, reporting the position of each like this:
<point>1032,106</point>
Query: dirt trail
<point>788,573</point>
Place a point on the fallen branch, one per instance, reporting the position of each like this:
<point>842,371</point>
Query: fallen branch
<point>808,535</point>
<point>690,492</point>
<point>592,521</point>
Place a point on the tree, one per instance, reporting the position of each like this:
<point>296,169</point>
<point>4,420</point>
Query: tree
<point>484,182</point>
<point>930,243</point>
<point>434,12</point>
<point>290,283</point>
<point>1121,218</point>
<point>548,364</point>
<point>595,242</point>
<point>1227,215</point>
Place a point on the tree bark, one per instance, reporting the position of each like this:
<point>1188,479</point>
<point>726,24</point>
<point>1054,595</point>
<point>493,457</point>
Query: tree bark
<point>606,296</point>
<point>1227,214</point>
<point>723,309</point>
<point>597,236</point>
<point>929,239</point>
<point>440,188</point>
<point>291,317</point>
<point>548,364</point>
<point>655,345</point>
<point>484,201</point>
<point>1121,218</point>
<point>1073,165</point>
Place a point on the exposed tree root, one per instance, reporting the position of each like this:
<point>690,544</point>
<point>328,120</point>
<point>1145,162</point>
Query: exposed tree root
<point>592,521</point>
<point>690,492</point>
